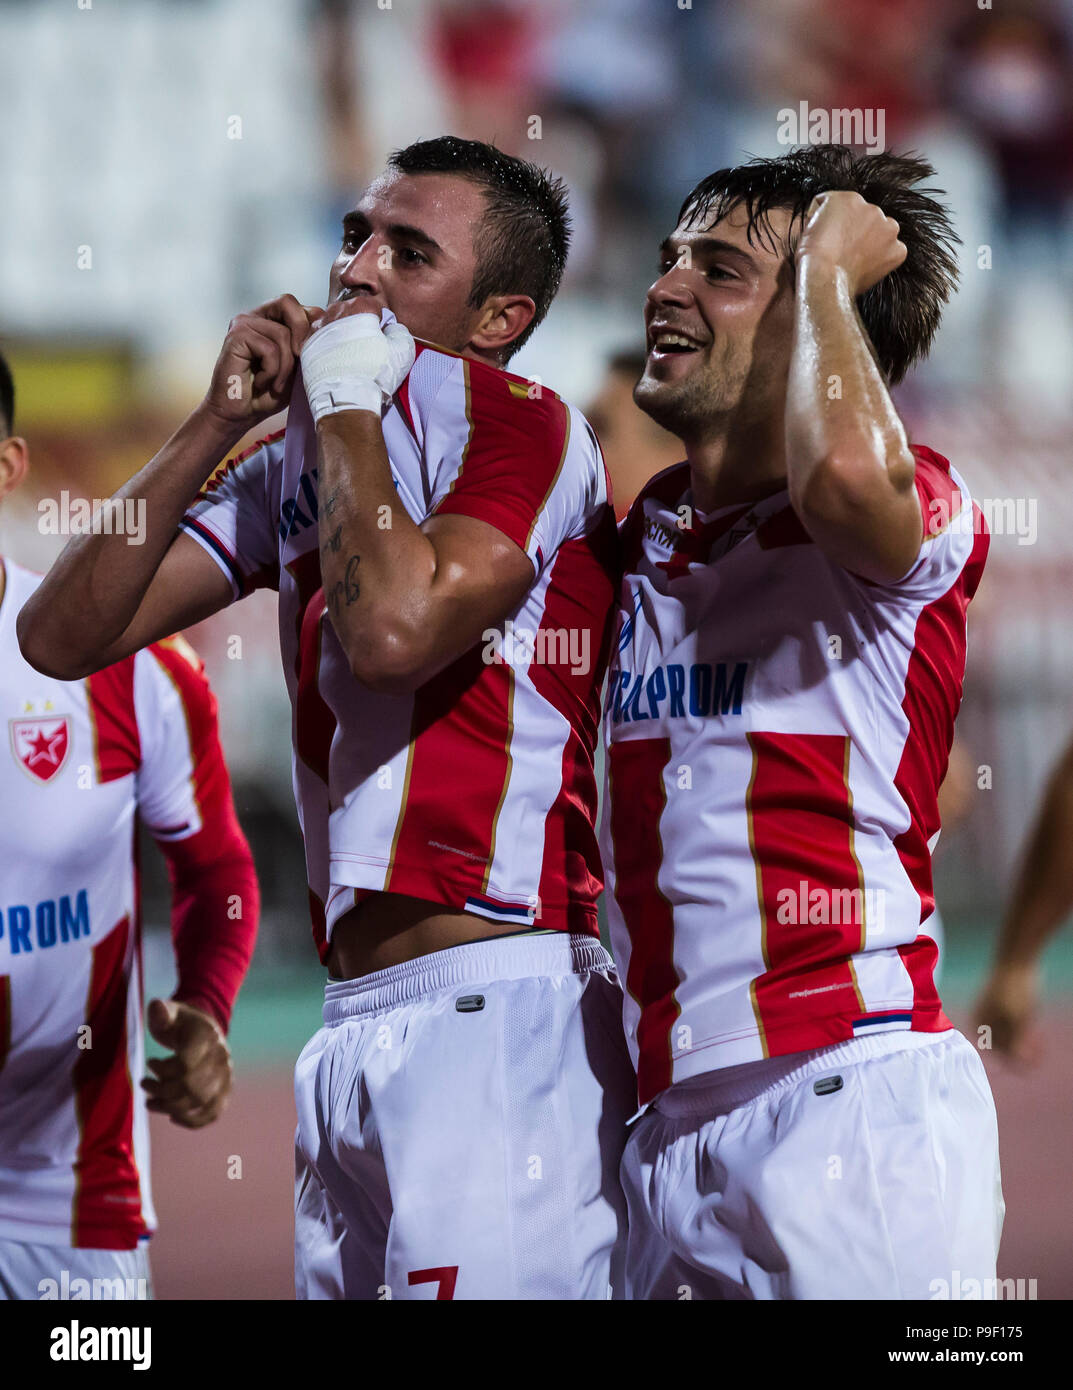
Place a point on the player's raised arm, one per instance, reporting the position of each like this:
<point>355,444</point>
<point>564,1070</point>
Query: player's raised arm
<point>849,466</point>
<point>405,600</point>
<point>104,597</point>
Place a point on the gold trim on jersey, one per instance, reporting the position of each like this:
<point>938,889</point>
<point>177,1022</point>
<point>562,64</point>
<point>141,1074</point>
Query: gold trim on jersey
<point>506,777</point>
<point>759,894</point>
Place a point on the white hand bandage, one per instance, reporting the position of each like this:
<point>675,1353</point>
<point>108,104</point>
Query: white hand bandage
<point>355,363</point>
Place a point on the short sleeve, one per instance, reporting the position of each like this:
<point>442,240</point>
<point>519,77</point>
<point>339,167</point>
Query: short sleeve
<point>512,454</point>
<point>953,531</point>
<point>233,519</point>
<point>182,779</point>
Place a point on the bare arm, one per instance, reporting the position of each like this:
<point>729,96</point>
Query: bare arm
<point>1041,901</point>
<point>849,465</point>
<point>104,598</point>
<point>405,600</point>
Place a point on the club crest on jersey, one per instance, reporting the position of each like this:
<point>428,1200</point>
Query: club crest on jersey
<point>40,745</point>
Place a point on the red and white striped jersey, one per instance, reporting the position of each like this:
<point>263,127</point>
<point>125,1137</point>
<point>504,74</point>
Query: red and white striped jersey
<point>778,729</point>
<point>477,791</point>
<point>81,760</point>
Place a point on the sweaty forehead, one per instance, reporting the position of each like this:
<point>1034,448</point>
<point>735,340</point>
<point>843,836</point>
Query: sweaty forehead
<point>768,244</point>
<point>437,203</point>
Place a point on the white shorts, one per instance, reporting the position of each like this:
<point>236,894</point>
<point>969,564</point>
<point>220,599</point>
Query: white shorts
<point>461,1120</point>
<point>774,1181</point>
<point>33,1271</point>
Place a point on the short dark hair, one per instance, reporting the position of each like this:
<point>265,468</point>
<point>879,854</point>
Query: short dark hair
<point>7,399</point>
<point>522,242</point>
<point>901,313</point>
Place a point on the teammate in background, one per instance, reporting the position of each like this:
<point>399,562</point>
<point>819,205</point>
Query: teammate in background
<point>781,707</point>
<point>439,534</point>
<point>85,759</point>
<point>1041,901</point>
<point>634,446</point>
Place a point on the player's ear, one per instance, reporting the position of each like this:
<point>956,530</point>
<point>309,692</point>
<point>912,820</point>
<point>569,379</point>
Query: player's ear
<point>504,317</point>
<point>14,463</point>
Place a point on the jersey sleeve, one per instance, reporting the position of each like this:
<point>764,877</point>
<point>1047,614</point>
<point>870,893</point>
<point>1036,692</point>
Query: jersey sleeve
<point>511,454</point>
<point>953,530</point>
<point>234,520</point>
<point>184,800</point>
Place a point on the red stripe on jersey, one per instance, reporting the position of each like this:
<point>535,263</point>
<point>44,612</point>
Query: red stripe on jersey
<point>5,1018</point>
<point>638,796</point>
<point>461,735</point>
<point>579,600</point>
<point>213,869</point>
<point>402,400</point>
<point>314,721</point>
<point>800,814</point>
<point>933,686</point>
<point>117,746</point>
<point>187,674</point>
<point>229,465</point>
<point>919,959</point>
<point>513,457</point>
<point>940,497</point>
<point>107,1212</point>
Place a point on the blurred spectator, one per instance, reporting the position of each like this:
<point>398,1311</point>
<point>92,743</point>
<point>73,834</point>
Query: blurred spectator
<point>635,448</point>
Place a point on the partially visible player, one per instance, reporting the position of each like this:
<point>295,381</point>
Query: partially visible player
<point>1041,901</point>
<point>439,533</point>
<point>781,708</point>
<point>82,762</point>
<point>634,446</point>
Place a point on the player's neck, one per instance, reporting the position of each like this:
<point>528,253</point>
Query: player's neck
<point>725,470</point>
<point>488,358</point>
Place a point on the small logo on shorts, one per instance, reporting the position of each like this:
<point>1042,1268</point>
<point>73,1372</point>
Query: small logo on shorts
<point>470,1004</point>
<point>828,1085</point>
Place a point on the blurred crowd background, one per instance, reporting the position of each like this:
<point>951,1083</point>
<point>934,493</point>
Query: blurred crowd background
<point>165,164</point>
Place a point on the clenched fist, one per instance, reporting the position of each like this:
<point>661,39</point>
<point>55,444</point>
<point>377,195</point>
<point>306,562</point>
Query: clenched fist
<point>255,370</point>
<point>192,1086</point>
<point>1007,1005</point>
<point>843,231</point>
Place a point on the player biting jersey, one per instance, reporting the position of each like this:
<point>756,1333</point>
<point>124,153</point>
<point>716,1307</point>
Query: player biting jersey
<point>440,537</point>
<point>781,707</point>
<point>83,761</point>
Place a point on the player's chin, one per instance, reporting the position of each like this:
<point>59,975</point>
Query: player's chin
<point>657,390</point>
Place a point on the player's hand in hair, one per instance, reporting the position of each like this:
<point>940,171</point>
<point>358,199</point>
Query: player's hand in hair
<point>847,234</point>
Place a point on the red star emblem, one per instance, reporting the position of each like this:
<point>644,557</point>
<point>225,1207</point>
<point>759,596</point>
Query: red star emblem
<point>40,745</point>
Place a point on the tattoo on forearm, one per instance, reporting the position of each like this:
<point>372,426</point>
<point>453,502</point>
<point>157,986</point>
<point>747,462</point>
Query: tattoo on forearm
<point>328,505</point>
<point>334,540</point>
<point>346,590</point>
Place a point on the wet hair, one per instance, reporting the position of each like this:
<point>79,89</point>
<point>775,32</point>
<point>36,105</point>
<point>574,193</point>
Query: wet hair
<point>902,311</point>
<point>523,239</point>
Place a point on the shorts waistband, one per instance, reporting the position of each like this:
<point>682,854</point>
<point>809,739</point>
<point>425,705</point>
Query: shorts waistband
<point>477,962</point>
<point>719,1092</point>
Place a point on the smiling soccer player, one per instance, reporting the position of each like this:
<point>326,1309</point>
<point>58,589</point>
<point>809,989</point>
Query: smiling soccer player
<point>789,666</point>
